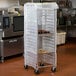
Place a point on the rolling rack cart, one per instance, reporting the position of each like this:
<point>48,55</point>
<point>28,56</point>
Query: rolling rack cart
<point>40,24</point>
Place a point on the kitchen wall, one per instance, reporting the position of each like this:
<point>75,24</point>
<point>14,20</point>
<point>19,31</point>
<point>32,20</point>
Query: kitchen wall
<point>22,2</point>
<point>73,3</point>
<point>8,3</point>
<point>72,30</point>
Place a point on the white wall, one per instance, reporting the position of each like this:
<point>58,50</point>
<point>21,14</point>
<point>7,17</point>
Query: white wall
<point>8,3</point>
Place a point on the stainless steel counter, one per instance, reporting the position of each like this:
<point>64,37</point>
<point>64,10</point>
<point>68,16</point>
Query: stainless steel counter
<point>11,46</point>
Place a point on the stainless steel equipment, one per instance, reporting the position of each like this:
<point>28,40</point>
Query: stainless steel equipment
<point>11,35</point>
<point>11,25</point>
<point>11,46</point>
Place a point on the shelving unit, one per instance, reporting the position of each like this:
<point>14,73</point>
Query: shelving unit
<point>40,30</point>
<point>69,27</point>
<point>69,12</point>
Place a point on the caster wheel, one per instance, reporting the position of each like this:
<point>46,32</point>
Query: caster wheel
<point>26,67</point>
<point>36,71</point>
<point>53,69</point>
<point>41,64</point>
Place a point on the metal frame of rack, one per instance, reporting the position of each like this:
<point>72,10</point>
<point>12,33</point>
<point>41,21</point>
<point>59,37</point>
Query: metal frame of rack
<point>40,30</point>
